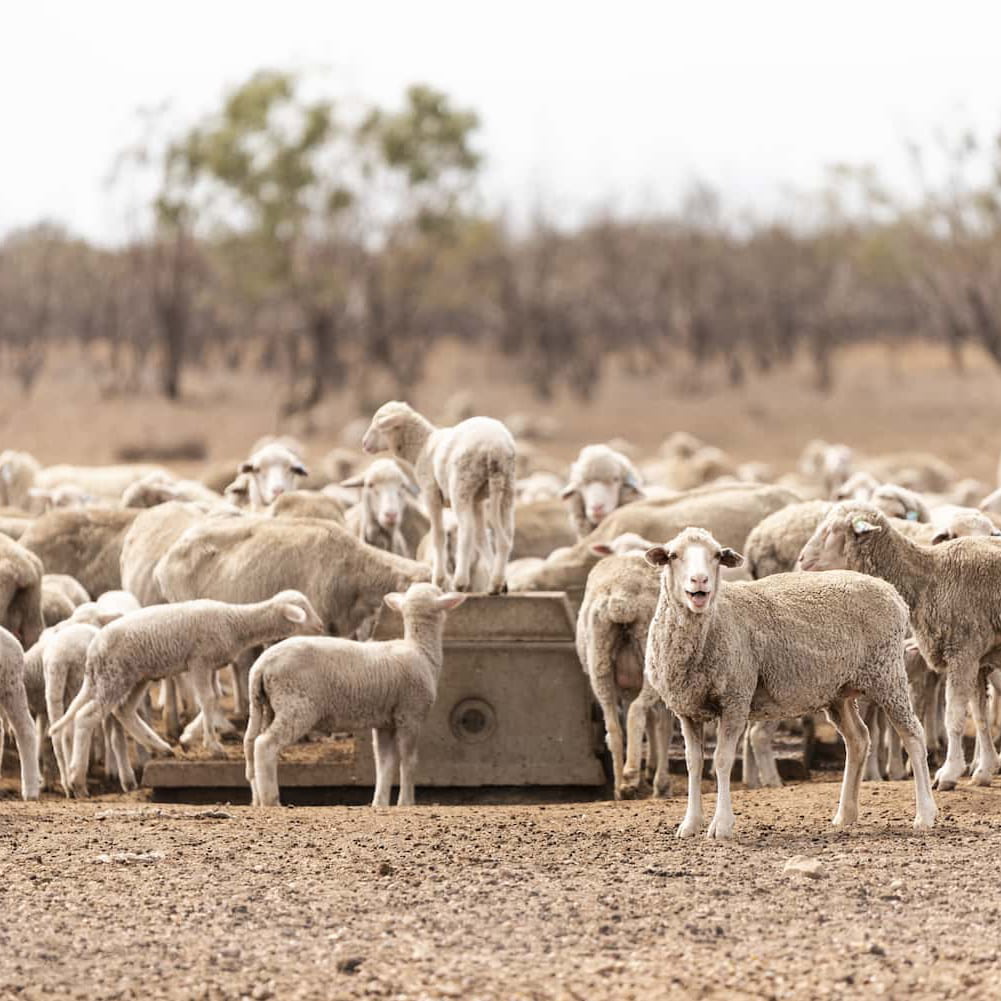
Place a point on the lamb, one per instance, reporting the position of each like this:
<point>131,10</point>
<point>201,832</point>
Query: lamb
<point>14,712</point>
<point>601,480</point>
<point>273,470</point>
<point>20,591</point>
<point>147,645</point>
<point>898,502</point>
<point>469,467</point>
<point>85,544</point>
<point>389,686</point>
<point>769,649</point>
<point>386,493</point>
<point>619,602</point>
<point>250,558</point>
<point>951,590</point>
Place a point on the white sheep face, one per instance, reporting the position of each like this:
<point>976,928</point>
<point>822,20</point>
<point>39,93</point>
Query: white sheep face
<point>692,562</point>
<point>386,492</point>
<point>275,470</point>
<point>601,498</point>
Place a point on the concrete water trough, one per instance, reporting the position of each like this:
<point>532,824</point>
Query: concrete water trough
<point>514,709</point>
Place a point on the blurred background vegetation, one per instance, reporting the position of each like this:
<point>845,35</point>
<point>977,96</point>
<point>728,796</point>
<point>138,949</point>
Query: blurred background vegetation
<point>330,244</point>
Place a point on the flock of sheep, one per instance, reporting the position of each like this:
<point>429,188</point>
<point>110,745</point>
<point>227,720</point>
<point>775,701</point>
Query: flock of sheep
<point>691,575</point>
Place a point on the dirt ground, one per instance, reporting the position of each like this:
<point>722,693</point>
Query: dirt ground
<point>568,900</point>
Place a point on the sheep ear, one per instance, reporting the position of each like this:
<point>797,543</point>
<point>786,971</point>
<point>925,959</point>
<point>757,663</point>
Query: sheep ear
<point>300,470</point>
<point>657,556</point>
<point>601,549</point>
<point>294,614</point>
<point>394,600</point>
<point>387,422</point>
<point>246,467</point>
<point>632,491</point>
<point>996,533</point>
<point>449,601</point>
<point>730,557</point>
<point>862,527</point>
<point>940,537</point>
<point>354,481</point>
<point>569,490</point>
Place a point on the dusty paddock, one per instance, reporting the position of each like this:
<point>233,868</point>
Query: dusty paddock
<point>556,901</point>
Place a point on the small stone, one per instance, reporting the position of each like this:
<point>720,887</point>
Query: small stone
<point>877,950</point>
<point>350,965</point>
<point>805,865</point>
<point>385,869</point>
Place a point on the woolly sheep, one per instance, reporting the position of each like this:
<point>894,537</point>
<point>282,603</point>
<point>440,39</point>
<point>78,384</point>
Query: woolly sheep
<point>147,645</point>
<point>541,527</point>
<point>601,480</point>
<point>470,468</point>
<point>386,493</point>
<point>14,712</point>
<point>158,488</point>
<point>20,591</point>
<point>539,486</point>
<point>482,558</point>
<point>18,472</point>
<point>774,544</point>
<point>859,486</point>
<point>951,590</point>
<point>306,504</point>
<point>830,465</point>
<point>918,471</point>
<point>761,650</point>
<point>896,501</point>
<point>389,686</point>
<point>273,470</point>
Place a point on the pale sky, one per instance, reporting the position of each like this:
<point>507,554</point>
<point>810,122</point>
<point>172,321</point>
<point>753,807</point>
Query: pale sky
<point>583,103</point>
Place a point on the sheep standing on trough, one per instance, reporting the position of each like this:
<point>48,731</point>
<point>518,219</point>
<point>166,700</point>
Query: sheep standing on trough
<point>774,648</point>
<point>470,468</point>
<point>952,591</point>
<point>342,685</point>
<point>601,480</point>
<point>147,645</point>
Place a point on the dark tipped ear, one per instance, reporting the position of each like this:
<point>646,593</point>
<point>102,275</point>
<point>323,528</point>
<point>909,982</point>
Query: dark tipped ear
<point>568,491</point>
<point>246,467</point>
<point>940,537</point>
<point>657,556</point>
<point>300,470</point>
<point>730,558</point>
<point>354,481</point>
<point>601,549</point>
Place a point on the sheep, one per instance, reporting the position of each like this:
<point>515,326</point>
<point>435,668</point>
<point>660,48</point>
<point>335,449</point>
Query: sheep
<point>250,558</point>
<point>56,607</point>
<point>541,527</point>
<point>601,480</point>
<point>273,470</point>
<point>158,488</point>
<point>389,686</point>
<point>69,586</point>
<point>918,471</point>
<point>950,521</point>
<point>769,649</point>
<point>386,494</point>
<point>859,486</point>
<point>306,504</point>
<point>829,465</point>
<point>85,544</point>
<point>687,463</point>
<point>482,561</point>
<point>18,472</point>
<point>101,483</point>
<point>147,645</point>
<point>774,544</point>
<point>730,511</point>
<point>65,496</point>
<point>612,624</point>
<point>20,591</point>
<point>896,501</point>
<point>469,467</point>
<point>951,590</point>
<point>14,712</point>
<point>539,486</point>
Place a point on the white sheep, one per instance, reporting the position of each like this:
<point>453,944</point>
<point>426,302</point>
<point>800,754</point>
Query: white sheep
<point>859,486</point>
<point>14,712</point>
<point>896,501</point>
<point>952,591</point>
<point>161,640</point>
<point>344,685</point>
<point>601,480</point>
<point>470,468</point>
<point>782,646</point>
<point>386,491</point>
<point>273,470</point>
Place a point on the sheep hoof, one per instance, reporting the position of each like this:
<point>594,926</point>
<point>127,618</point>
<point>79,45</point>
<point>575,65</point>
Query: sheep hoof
<point>924,823</point>
<point>843,819</point>
<point>662,791</point>
<point>720,830</point>
<point>688,829</point>
<point>981,777</point>
<point>627,792</point>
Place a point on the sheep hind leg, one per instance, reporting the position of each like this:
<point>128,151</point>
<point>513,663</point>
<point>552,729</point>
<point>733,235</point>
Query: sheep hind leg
<point>959,686</point>
<point>85,722</point>
<point>386,758</point>
<point>845,716</point>
<point>902,718</point>
<point>872,723</point>
<point>120,750</point>
<point>627,783</point>
<point>268,747</point>
<point>466,517</point>
<point>501,517</point>
<point>660,730</point>
<point>406,748</point>
<point>987,760</point>
<point>761,736</point>
<point>136,727</point>
<point>18,715</point>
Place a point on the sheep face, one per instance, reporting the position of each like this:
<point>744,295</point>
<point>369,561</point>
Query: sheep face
<point>691,565</point>
<point>898,502</point>
<point>385,492</point>
<point>833,545</point>
<point>275,470</point>
<point>604,480</point>
<point>961,524</point>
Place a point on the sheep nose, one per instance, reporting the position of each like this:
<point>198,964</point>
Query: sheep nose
<point>599,510</point>
<point>699,581</point>
<point>392,517</point>
<point>278,491</point>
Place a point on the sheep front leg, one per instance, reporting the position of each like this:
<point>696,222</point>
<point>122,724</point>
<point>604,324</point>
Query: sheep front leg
<point>406,747</point>
<point>438,562</point>
<point>959,685</point>
<point>18,715</point>
<point>987,760</point>
<point>731,726</point>
<point>846,717</point>
<point>384,748</point>
<point>692,732</point>
<point>203,679</point>
<point>86,721</point>
<point>660,730</point>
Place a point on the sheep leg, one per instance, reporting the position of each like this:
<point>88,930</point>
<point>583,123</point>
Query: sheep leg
<point>170,698</point>
<point>406,747</point>
<point>203,680</point>
<point>845,716</point>
<point>959,686</point>
<point>136,727</point>
<point>466,517</point>
<point>895,770</point>
<point>120,750</point>
<point>987,760</point>
<point>627,783</point>
<point>905,722</point>
<point>18,716</point>
<point>3,741</point>
<point>266,751</point>
<point>438,564</point>
<point>762,740</point>
<point>751,775</point>
<point>660,730</point>
<point>502,525</point>
<point>241,676</point>
<point>871,719</point>
<point>86,721</point>
<point>384,746</point>
<point>692,732</point>
<point>731,726</point>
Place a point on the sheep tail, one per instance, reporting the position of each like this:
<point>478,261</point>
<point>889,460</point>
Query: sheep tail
<point>259,709</point>
<point>82,697</point>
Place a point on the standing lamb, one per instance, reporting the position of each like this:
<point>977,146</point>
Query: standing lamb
<point>470,468</point>
<point>150,644</point>
<point>952,591</point>
<point>601,480</point>
<point>769,649</point>
<point>389,686</point>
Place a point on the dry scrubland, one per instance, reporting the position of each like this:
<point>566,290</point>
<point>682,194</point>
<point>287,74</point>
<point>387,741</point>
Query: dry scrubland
<point>586,900</point>
<point>885,398</point>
